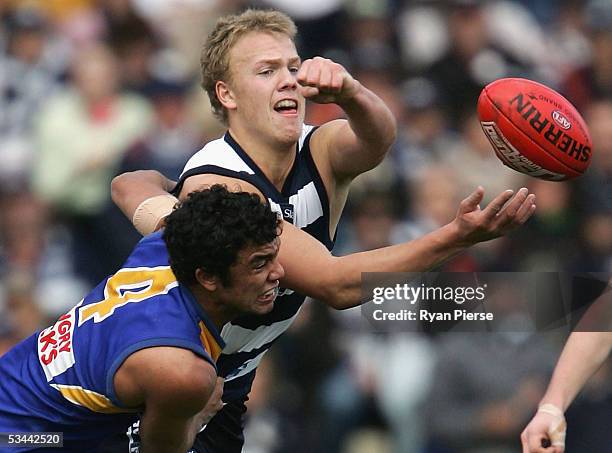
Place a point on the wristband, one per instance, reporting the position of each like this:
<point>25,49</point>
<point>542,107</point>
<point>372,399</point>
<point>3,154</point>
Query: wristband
<point>150,212</point>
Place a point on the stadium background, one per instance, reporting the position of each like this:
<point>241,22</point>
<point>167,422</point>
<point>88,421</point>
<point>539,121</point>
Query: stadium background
<point>328,385</point>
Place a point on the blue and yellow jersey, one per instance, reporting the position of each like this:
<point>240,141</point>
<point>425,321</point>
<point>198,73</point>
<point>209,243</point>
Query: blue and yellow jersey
<point>61,379</point>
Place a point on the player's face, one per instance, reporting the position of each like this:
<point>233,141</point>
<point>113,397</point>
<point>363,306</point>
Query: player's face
<point>263,68</point>
<point>254,279</point>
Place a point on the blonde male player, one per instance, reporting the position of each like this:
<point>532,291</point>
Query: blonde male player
<point>582,355</point>
<point>258,85</point>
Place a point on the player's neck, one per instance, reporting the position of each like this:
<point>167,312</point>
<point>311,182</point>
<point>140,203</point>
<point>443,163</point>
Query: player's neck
<point>218,313</point>
<point>273,158</point>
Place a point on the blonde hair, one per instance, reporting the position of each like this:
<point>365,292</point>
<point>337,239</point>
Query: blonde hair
<point>214,60</point>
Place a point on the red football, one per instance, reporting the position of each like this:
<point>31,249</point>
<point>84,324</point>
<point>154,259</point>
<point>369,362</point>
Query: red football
<point>534,130</point>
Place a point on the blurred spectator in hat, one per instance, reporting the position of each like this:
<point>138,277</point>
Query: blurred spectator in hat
<point>372,41</point>
<point>134,42</point>
<point>82,135</point>
<point>32,68</point>
<point>472,59</point>
<point>174,137</point>
<point>424,136</point>
<point>593,80</point>
<point>322,24</point>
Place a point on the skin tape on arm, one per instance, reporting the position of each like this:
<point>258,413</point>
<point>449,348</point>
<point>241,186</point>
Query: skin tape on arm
<point>557,428</point>
<point>150,212</point>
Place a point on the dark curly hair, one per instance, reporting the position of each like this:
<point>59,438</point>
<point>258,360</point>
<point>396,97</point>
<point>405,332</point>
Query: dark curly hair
<point>210,228</point>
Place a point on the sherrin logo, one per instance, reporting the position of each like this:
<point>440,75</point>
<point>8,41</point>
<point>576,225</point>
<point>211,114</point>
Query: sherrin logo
<point>561,120</point>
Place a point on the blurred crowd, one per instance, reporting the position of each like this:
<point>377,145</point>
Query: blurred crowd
<point>92,88</point>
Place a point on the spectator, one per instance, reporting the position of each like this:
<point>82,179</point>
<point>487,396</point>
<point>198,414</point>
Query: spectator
<point>31,71</point>
<point>82,135</point>
<point>472,60</point>
<point>593,80</point>
<point>484,390</point>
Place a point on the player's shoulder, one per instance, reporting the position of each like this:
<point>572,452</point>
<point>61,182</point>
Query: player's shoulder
<point>218,153</point>
<point>150,251</point>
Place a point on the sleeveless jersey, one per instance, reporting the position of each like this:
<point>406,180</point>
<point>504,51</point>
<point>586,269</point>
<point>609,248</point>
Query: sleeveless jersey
<point>303,202</point>
<point>61,379</point>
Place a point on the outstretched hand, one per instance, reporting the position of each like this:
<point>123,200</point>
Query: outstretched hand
<point>324,81</point>
<point>505,213</point>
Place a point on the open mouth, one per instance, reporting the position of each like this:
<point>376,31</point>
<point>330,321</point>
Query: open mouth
<point>269,295</point>
<point>286,107</point>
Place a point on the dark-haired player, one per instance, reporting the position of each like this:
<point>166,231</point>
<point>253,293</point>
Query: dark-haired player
<point>146,339</point>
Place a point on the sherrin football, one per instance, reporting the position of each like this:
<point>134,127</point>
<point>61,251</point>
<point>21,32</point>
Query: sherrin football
<point>534,130</point>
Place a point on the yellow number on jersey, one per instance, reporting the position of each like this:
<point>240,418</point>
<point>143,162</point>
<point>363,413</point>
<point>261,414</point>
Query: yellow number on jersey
<point>129,285</point>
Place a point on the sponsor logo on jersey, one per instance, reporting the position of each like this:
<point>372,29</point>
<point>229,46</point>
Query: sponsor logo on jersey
<point>288,212</point>
<point>561,120</point>
<point>512,158</point>
<point>55,352</point>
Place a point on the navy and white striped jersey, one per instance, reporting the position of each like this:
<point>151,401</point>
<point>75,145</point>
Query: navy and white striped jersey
<point>303,202</point>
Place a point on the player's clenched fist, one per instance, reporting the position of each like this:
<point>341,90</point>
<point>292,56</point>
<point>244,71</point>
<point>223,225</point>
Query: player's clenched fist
<point>325,81</point>
<point>546,431</point>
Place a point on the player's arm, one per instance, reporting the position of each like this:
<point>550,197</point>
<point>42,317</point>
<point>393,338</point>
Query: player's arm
<point>143,197</point>
<point>313,271</point>
<point>174,386</point>
<point>582,356</point>
<point>350,147</point>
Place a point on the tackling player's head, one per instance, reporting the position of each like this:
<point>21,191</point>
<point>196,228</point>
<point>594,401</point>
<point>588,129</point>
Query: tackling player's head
<point>226,242</point>
<point>215,57</point>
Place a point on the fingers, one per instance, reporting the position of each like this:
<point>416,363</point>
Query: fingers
<point>516,212</point>
<point>308,92</point>
<point>339,79</point>
<point>323,74</point>
<point>526,210</point>
<point>495,207</point>
<point>546,431</point>
<point>472,201</point>
<point>524,442</point>
<point>536,444</point>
